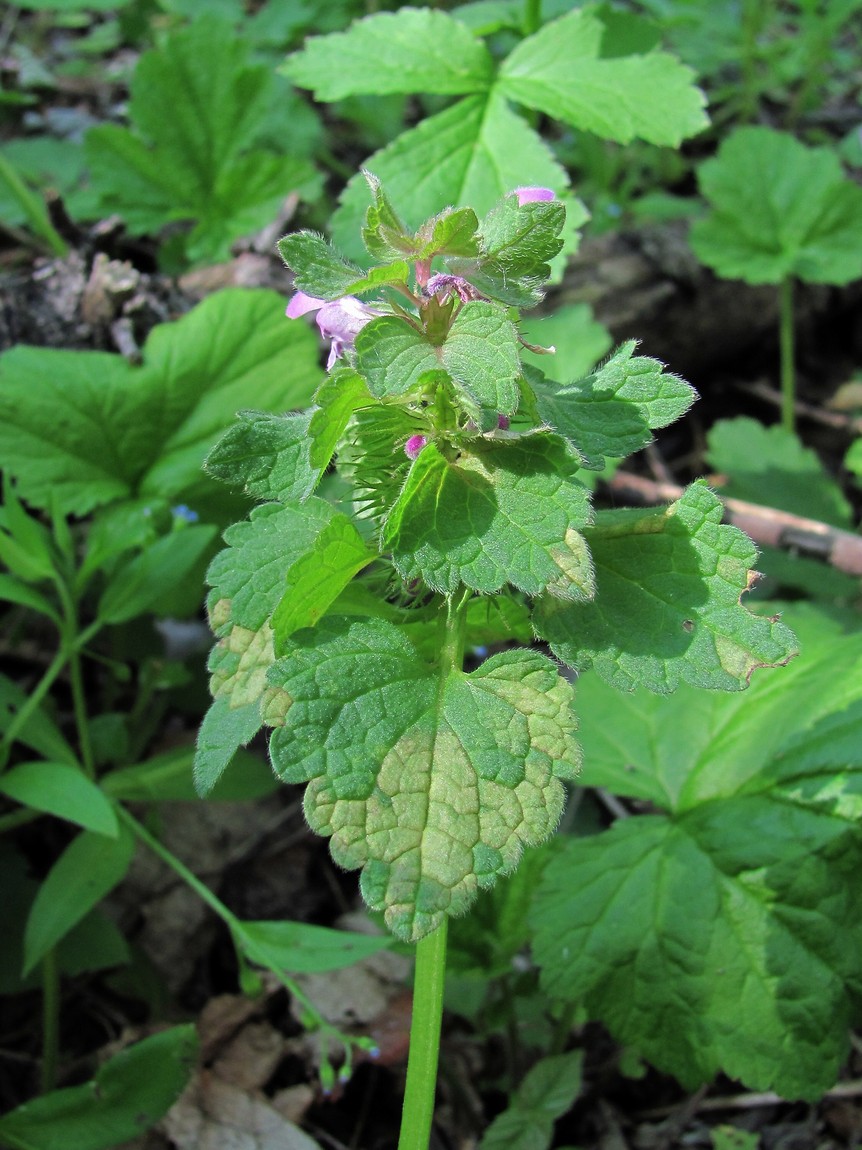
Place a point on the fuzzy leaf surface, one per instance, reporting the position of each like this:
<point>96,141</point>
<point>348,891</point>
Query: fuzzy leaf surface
<point>509,512</point>
<point>319,271</point>
<point>614,410</point>
<point>267,454</point>
<point>667,609</point>
<point>431,782</point>
<point>414,50</point>
<point>723,933</point>
<point>559,72</point>
<point>88,428</point>
<point>779,209</point>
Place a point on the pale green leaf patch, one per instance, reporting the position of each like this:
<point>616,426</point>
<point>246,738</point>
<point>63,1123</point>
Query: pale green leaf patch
<point>779,209</point>
<point>414,50</point>
<point>445,779</point>
<point>739,901</point>
<point>613,411</point>
<point>508,511</point>
<point>559,71</point>
<point>667,609</point>
<point>471,154</point>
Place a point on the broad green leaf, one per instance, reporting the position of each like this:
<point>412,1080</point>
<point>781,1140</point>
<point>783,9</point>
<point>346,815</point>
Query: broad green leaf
<point>613,411</point>
<point>559,72</point>
<point>481,355</point>
<point>578,339</point>
<point>471,154</point>
<point>392,356</point>
<point>301,948</point>
<point>62,790</point>
<point>317,578</point>
<point>769,466</point>
<point>547,1092</point>
<point>127,1096</point>
<point>722,933</point>
<point>144,579</point>
<point>250,571</point>
<point>88,428</point>
<point>90,866</point>
<point>198,109</point>
<point>414,50</point>
<point>40,733</point>
<point>518,243</point>
<point>267,454</point>
<point>430,780</point>
<point>319,271</point>
<point>503,512</point>
<point>451,233</point>
<point>779,209</point>
<point>667,609</point>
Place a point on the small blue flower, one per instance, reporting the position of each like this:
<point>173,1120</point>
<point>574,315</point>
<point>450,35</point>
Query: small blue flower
<point>183,512</point>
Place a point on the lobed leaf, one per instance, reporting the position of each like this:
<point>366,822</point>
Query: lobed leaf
<point>413,50</point>
<point>431,782</point>
<point>613,411</point>
<point>723,933</point>
<point>779,209</point>
<point>667,610</point>
<point>559,71</point>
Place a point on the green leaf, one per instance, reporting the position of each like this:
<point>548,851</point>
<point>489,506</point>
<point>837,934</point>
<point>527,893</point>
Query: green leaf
<point>198,110</point>
<point>667,610</point>
<point>319,271</point>
<point>503,512</point>
<point>342,392</point>
<point>301,948</point>
<point>414,50</point>
<point>471,154</point>
<point>392,355</point>
<point>40,733</point>
<point>224,729</point>
<point>62,790</point>
<point>91,866</point>
<point>481,355</point>
<point>88,428</point>
<point>430,781</point>
<point>721,934</point>
<point>518,243</point>
<point>451,233</point>
<point>317,578</point>
<point>613,411</point>
<point>144,579</point>
<point>14,591</point>
<point>779,209</point>
<point>127,1096</point>
<point>268,455</point>
<point>559,71</point>
<point>167,777</point>
<point>769,466</point>
<point>547,1092</point>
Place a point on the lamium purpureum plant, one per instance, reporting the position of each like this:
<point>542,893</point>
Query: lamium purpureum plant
<point>432,503</point>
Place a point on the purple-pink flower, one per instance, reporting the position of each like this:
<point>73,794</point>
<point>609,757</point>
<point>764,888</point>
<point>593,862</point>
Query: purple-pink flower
<point>414,445</point>
<point>534,195</point>
<point>339,320</point>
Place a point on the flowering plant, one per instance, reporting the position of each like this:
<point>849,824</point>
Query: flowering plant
<point>433,502</point>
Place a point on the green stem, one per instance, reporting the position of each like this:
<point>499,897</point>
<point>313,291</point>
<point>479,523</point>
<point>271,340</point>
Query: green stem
<point>82,722</point>
<point>786,342</point>
<point>532,16</point>
<point>41,689</point>
<point>235,925</point>
<point>50,1021</point>
<point>418,1112</point>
